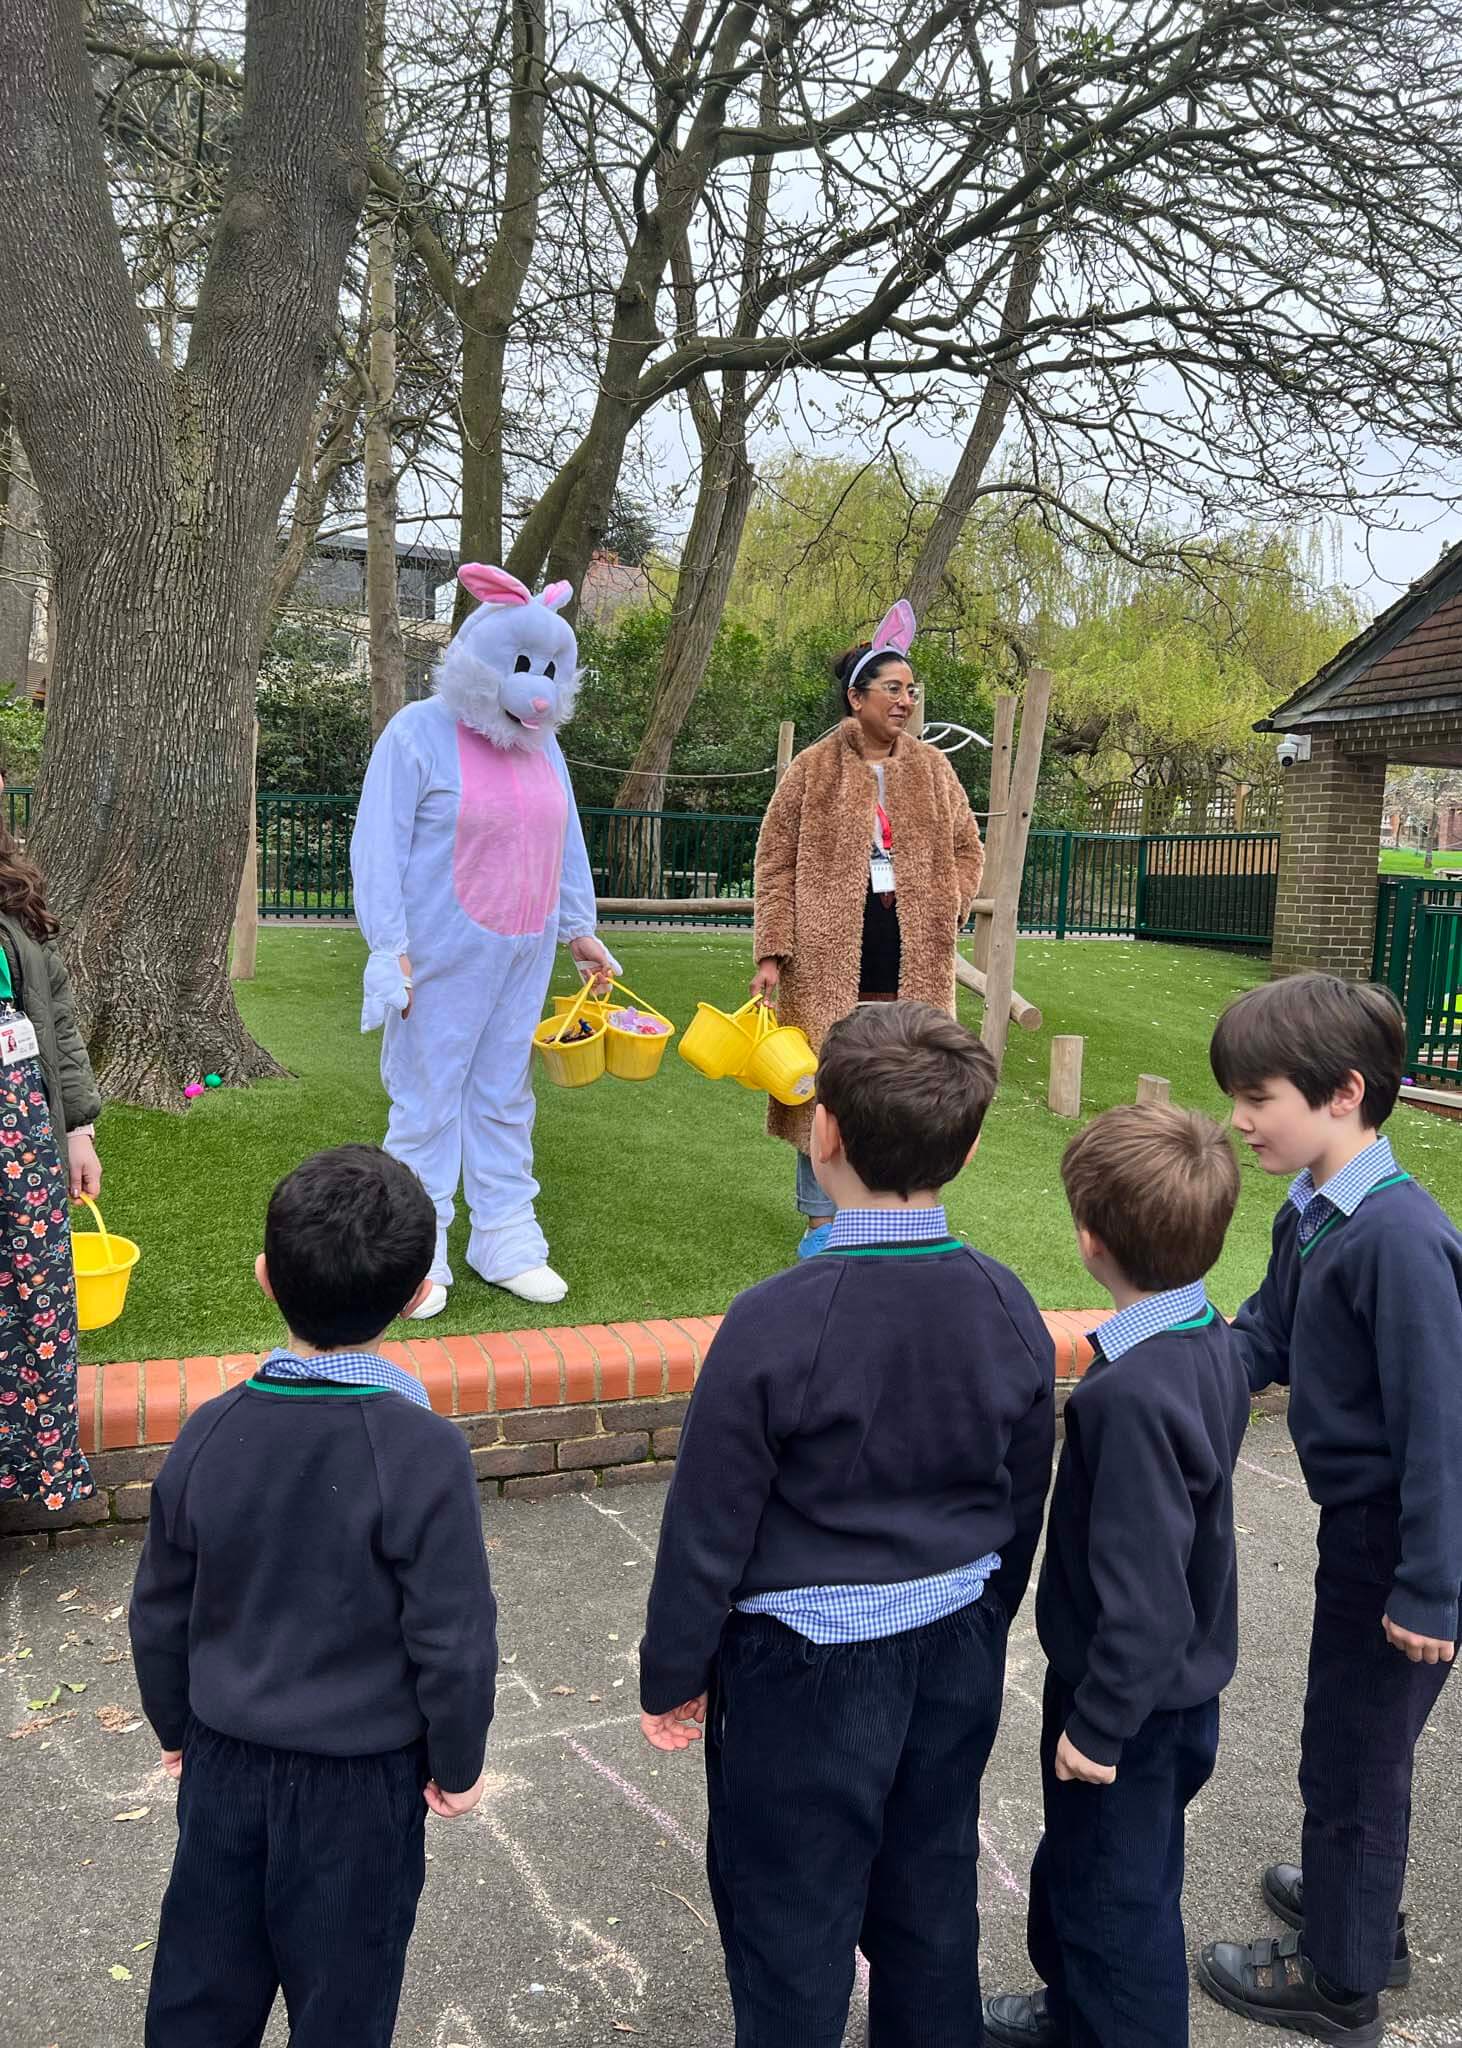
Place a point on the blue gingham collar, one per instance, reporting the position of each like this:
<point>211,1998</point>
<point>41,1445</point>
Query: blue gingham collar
<point>1149,1317</point>
<point>888,1226</point>
<point>1347,1189</point>
<point>346,1369</point>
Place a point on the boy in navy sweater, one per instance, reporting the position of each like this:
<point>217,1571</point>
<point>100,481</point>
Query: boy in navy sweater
<point>1360,1315</point>
<point>856,1504</point>
<point>1137,1609</point>
<point>314,1635</point>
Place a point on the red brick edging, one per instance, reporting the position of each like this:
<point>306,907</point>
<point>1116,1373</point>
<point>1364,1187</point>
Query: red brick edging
<point>544,1411</point>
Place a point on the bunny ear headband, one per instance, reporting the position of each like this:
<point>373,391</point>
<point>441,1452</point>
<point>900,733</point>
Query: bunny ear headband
<point>895,635</point>
<point>496,586</point>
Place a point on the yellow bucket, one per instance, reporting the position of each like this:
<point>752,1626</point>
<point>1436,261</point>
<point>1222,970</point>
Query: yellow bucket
<point>632,1055</point>
<point>763,1020</point>
<point>574,1065</point>
<point>785,1065</point>
<point>103,1264</point>
<point>718,1045</point>
<point>595,1011</point>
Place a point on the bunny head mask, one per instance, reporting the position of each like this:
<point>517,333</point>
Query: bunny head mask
<point>511,671</point>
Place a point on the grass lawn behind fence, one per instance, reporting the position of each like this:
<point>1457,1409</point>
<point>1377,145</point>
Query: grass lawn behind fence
<point>663,1198</point>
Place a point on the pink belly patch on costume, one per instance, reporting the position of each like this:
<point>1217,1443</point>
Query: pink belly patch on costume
<point>508,856</point>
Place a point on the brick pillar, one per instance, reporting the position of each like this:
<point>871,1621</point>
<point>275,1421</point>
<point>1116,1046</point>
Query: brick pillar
<point>1325,916</point>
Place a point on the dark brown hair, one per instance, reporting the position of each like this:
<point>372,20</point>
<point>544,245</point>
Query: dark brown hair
<point>1158,1186</point>
<point>848,660</point>
<point>1312,1030</point>
<point>22,890</point>
<point>909,1087</point>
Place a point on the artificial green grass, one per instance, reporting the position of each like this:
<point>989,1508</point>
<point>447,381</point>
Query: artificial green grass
<point>667,1197</point>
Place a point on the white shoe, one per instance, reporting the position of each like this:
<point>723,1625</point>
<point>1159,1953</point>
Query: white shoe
<point>540,1284</point>
<point>431,1304</point>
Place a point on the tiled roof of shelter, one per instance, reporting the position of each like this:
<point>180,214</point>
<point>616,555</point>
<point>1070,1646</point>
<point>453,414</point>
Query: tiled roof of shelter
<point>1409,659</point>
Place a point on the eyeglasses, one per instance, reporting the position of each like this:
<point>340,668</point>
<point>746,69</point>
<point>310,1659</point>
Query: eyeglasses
<point>898,691</point>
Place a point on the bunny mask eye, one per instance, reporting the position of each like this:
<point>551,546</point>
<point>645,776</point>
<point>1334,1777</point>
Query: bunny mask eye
<point>548,670</point>
<point>522,665</point>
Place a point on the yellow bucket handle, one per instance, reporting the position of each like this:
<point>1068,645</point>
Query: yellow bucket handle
<point>763,1021</point>
<point>106,1239</point>
<point>571,1015</point>
<point>639,1001</point>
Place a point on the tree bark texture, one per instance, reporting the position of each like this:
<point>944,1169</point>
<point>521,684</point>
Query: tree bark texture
<point>387,649</point>
<point>161,488</point>
<point>486,308</point>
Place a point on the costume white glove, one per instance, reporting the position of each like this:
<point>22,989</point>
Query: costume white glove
<point>385,989</point>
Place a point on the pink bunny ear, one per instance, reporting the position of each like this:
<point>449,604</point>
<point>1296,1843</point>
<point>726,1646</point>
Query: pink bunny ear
<point>492,586</point>
<point>557,594</point>
<point>896,629</point>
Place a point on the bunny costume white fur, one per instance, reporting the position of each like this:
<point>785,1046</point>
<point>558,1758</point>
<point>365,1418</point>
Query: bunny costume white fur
<point>468,857</point>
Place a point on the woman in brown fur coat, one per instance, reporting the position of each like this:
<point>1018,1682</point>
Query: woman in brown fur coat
<point>868,861</point>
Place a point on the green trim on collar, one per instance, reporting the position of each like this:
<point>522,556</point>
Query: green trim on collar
<point>312,1393</point>
<point>1392,1180</point>
<point>1196,1322</point>
<point>892,1251</point>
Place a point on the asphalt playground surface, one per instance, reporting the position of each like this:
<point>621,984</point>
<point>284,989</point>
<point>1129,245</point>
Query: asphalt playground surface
<point>572,1909</point>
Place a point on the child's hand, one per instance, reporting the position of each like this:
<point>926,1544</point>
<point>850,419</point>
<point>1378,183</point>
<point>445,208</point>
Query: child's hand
<point>83,1168</point>
<point>1420,1649</point>
<point>679,1728</point>
<point>172,1762</point>
<point>451,1805</point>
<point>1071,1764</point>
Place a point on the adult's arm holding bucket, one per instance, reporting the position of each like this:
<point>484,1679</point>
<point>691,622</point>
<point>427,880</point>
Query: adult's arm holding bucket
<point>385,819</point>
<point>578,910</point>
<point>775,933</point>
<point>81,1101</point>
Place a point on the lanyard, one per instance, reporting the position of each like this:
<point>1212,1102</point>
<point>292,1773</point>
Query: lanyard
<point>885,828</point>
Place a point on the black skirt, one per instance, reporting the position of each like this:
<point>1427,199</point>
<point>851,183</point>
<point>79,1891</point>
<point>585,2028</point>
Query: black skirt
<point>878,974</point>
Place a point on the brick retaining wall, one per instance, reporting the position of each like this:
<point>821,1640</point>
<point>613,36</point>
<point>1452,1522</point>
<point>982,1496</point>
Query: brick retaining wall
<point>544,1412</point>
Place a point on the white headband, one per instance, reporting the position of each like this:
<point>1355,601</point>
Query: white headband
<point>895,635</point>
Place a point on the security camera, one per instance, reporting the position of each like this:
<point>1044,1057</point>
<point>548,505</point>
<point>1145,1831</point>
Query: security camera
<point>1292,747</point>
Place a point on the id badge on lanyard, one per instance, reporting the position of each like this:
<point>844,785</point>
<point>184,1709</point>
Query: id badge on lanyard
<point>880,865</point>
<point>18,1040</point>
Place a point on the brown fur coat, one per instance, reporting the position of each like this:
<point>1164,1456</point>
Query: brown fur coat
<point>812,880</point>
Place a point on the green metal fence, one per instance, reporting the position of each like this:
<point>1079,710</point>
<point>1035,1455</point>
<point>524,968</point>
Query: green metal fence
<point>1418,954</point>
<point>1214,889</point>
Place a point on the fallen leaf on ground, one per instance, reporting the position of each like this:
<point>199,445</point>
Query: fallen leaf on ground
<point>596,1699</point>
<point>39,1706</point>
<point>75,1685</point>
<point>118,1720</point>
<point>21,1655</point>
<point>133,1813</point>
<point>562,1692</point>
<point>139,1946</point>
<point>115,1614</point>
<point>114,1656</point>
<point>122,1974</point>
<point>623,2027</point>
<point>41,1721</point>
<point>67,1596</point>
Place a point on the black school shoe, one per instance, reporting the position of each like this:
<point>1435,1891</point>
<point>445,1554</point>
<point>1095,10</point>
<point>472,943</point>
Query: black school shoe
<point>1284,1895</point>
<point>1018,2019</point>
<point>1273,1982</point>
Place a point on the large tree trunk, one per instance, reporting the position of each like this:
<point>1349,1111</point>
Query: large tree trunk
<point>383,594</point>
<point>487,307</point>
<point>161,489</point>
<point>706,568</point>
<point>1004,374</point>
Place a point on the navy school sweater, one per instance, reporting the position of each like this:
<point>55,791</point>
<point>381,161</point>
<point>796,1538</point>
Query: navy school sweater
<point>1137,1607</point>
<point>1364,1325</point>
<point>314,1578</point>
<point>873,1415</point>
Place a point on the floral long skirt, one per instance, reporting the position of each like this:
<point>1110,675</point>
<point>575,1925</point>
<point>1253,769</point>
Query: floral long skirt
<point>40,1457</point>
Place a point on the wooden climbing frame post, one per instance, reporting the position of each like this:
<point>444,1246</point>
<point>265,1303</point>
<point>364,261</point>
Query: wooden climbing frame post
<point>1000,977</point>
